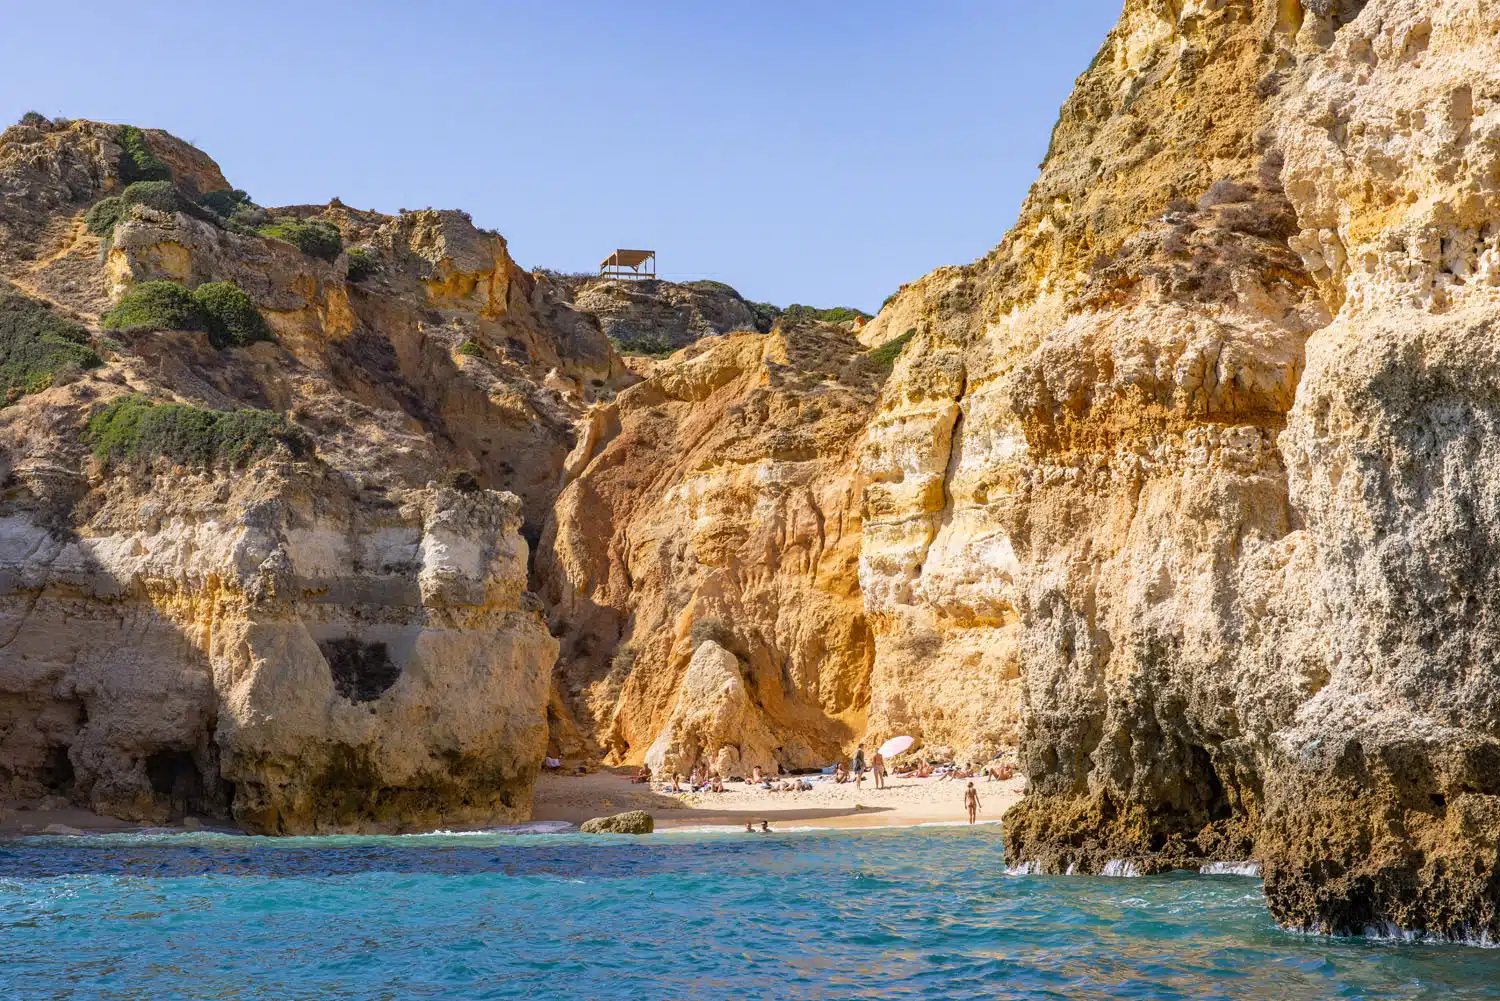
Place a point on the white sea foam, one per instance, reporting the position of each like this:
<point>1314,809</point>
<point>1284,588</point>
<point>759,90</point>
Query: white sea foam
<point>1123,868</point>
<point>1231,869</point>
<point>1031,868</point>
<point>1385,931</point>
<point>1388,932</point>
<point>534,827</point>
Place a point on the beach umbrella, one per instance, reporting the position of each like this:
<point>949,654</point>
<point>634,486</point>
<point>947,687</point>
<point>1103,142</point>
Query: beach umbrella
<point>895,746</point>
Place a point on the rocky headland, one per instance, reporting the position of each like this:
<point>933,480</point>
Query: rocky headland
<point>321,519</point>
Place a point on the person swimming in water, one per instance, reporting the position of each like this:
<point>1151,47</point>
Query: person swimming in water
<point>765,827</point>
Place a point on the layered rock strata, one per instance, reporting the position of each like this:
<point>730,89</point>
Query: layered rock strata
<point>655,316</point>
<point>701,568</point>
<point>271,649</point>
<point>1203,447</point>
<point>325,642</point>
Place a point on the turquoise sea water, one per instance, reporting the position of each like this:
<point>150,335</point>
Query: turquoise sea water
<point>924,913</point>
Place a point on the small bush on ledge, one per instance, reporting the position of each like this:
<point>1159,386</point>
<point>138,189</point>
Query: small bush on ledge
<point>163,196</point>
<point>220,308</point>
<point>885,356</point>
<point>463,481</point>
<point>231,318</point>
<point>38,348</point>
<point>313,237</point>
<point>160,305</point>
<point>361,264</point>
<point>471,349</point>
<point>103,214</point>
<point>132,429</point>
<point>226,202</point>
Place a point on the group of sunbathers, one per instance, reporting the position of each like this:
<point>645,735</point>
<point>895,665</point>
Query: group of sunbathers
<point>779,784</point>
<point>704,779</point>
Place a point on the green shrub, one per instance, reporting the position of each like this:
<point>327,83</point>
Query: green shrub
<point>155,306</point>
<point>224,203</point>
<point>361,264</point>
<point>649,345</point>
<point>471,349</point>
<point>766,315</point>
<point>160,195</point>
<point>137,162</point>
<point>885,356</point>
<point>38,347</point>
<point>797,313</point>
<point>249,216</point>
<point>35,118</point>
<point>221,308</point>
<point>313,237</point>
<point>103,214</point>
<point>163,196</point>
<point>132,429</point>
<point>230,316</point>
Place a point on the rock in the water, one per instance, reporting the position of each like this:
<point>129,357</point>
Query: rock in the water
<point>634,822</point>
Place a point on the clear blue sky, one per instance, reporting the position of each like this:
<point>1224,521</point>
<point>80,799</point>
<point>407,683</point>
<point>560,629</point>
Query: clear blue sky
<point>805,151</point>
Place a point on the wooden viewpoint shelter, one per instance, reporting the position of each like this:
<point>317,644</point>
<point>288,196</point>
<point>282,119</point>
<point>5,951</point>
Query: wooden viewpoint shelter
<point>629,264</point>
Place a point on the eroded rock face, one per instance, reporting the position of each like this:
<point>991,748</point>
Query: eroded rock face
<point>338,643</point>
<point>1384,792</point>
<point>656,316</point>
<point>715,722</point>
<point>712,513</point>
<point>174,657</point>
<point>1209,464</point>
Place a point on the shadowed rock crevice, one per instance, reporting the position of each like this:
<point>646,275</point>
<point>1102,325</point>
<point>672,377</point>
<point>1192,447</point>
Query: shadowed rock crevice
<point>362,672</point>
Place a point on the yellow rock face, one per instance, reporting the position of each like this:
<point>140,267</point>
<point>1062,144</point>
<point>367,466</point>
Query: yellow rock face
<point>1203,450</point>
<point>716,506</point>
<point>344,642</point>
<point>185,656</point>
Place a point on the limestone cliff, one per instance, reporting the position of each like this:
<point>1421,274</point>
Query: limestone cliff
<point>715,507</point>
<point>334,635</point>
<point>1201,451</point>
<point>653,316</point>
<point>1185,491</point>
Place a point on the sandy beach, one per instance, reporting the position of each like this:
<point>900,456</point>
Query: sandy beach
<point>905,802</point>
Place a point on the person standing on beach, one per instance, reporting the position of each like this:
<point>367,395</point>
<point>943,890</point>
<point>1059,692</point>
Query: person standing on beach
<point>859,767</point>
<point>877,766</point>
<point>971,801</point>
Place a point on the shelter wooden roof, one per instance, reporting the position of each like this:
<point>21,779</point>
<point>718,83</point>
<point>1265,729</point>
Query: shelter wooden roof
<point>627,258</point>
